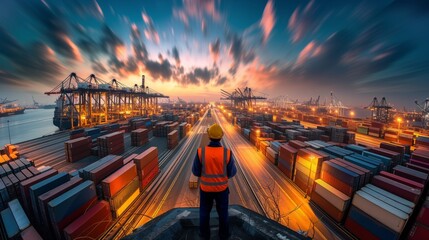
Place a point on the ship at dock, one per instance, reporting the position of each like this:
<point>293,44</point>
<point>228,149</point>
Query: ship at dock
<point>8,109</point>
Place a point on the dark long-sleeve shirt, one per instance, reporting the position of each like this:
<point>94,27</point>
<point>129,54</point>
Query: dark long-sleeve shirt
<point>231,170</point>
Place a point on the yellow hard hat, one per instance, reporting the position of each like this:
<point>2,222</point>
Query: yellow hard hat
<point>215,131</point>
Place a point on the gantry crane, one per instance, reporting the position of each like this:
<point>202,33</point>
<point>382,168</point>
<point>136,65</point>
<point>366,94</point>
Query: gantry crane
<point>379,110</point>
<point>241,99</point>
<point>90,101</point>
<point>424,107</point>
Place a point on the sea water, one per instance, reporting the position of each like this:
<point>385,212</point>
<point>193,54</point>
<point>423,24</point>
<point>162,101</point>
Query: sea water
<point>34,123</point>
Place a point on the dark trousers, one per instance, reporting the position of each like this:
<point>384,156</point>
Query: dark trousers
<point>206,204</point>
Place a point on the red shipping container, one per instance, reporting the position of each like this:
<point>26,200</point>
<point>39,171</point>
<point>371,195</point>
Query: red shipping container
<point>402,180</point>
<point>410,174</point>
<point>419,232</point>
<point>418,167</point>
<point>397,188</point>
<point>59,227</point>
<point>416,162</point>
<point>420,155</point>
<point>115,182</point>
<point>98,174</point>
<point>297,144</point>
<point>92,224</point>
<point>423,216</point>
<point>146,157</point>
<point>26,184</point>
<point>359,231</point>
<point>336,183</point>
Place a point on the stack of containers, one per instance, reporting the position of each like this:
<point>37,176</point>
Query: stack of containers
<point>420,158</point>
<point>25,186</point>
<point>292,134</point>
<point>45,198</point>
<point>362,130</point>
<point>395,148</point>
<point>272,155</point>
<point>263,147</point>
<point>386,160</point>
<point>318,144</point>
<point>338,134</point>
<point>121,188</point>
<point>286,160</point>
<point>172,139</point>
<point>112,143</point>
<point>92,224</point>
<point>372,164</point>
<point>139,137</point>
<point>98,173</point>
<point>391,135</point>
<point>338,152</point>
<point>378,214</point>
<point>161,129</point>
<point>72,204</point>
<point>307,168</point>
<point>331,200</point>
<point>77,149</point>
<point>356,148</point>
<point>77,133</point>
<point>147,166</point>
<point>422,141</point>
<point>182,130</point>
<point>14,221</point>
<point>406,139</point>
<point>394,156</point>
<point>172,127</point>
<point>42,187</point>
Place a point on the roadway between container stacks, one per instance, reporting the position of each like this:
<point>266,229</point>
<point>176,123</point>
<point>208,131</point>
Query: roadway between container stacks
<point>174,189</point>
<point>281,200</point>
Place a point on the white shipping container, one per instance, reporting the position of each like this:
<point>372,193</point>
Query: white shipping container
<point>382,212</point>
<point>389,201</point>
<point>332,195</point>
<point>392,196</point>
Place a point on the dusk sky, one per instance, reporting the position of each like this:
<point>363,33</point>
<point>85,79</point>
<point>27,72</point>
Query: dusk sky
<point>193,48</point>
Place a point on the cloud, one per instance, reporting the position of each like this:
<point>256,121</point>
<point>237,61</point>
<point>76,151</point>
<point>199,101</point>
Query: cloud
<point>99,67</point>
<point>204,27</point>
<point>9,79</point>
<point>150,31</point>
<point>305,21</point>
<point>268,21</point>
<point>199,76</point>
<point>239,53</point>
<point>221,80</point>
<point>54,27</point>
<point>199,10</point>
<point>159,70</point>
<point>139,48</point>
<point>214,48</point>
<point>35,63</point>
<point>176,56</point>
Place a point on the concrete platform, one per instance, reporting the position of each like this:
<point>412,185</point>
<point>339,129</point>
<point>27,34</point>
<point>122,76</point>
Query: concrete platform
<point>183,223</point>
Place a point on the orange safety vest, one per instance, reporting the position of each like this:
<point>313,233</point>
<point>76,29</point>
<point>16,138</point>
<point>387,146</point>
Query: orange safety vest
<point>214,161</point>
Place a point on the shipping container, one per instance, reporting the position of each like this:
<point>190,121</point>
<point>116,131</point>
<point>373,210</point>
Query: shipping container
<point>50,195</point>
<point>384,213</point>
<point>397,188</point>
<point>19,215</point>
<point>30,234</point>
<point>411,174</point>
<point>9,225</point>
<point>92,224</point>
<point>121,201</point>
<point>25,185</point>
<point>119,179</point>
<point>44,186</point>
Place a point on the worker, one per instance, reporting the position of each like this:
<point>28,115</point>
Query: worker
<point>214,165</point>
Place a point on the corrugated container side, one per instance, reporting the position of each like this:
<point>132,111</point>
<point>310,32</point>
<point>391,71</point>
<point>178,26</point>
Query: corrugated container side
<point>382,212</point>
<point>119,179</point>
<point>9,224</point>
<point>332,195</point>
<point>397,188</point>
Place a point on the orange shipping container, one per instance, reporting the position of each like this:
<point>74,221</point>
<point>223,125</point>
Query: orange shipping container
<point>119,179</point>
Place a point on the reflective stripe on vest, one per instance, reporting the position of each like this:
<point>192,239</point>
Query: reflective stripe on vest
<point>214,161</point>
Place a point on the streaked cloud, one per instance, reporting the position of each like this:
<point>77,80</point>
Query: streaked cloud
<point>268,20</point>
<point>150,31</point>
